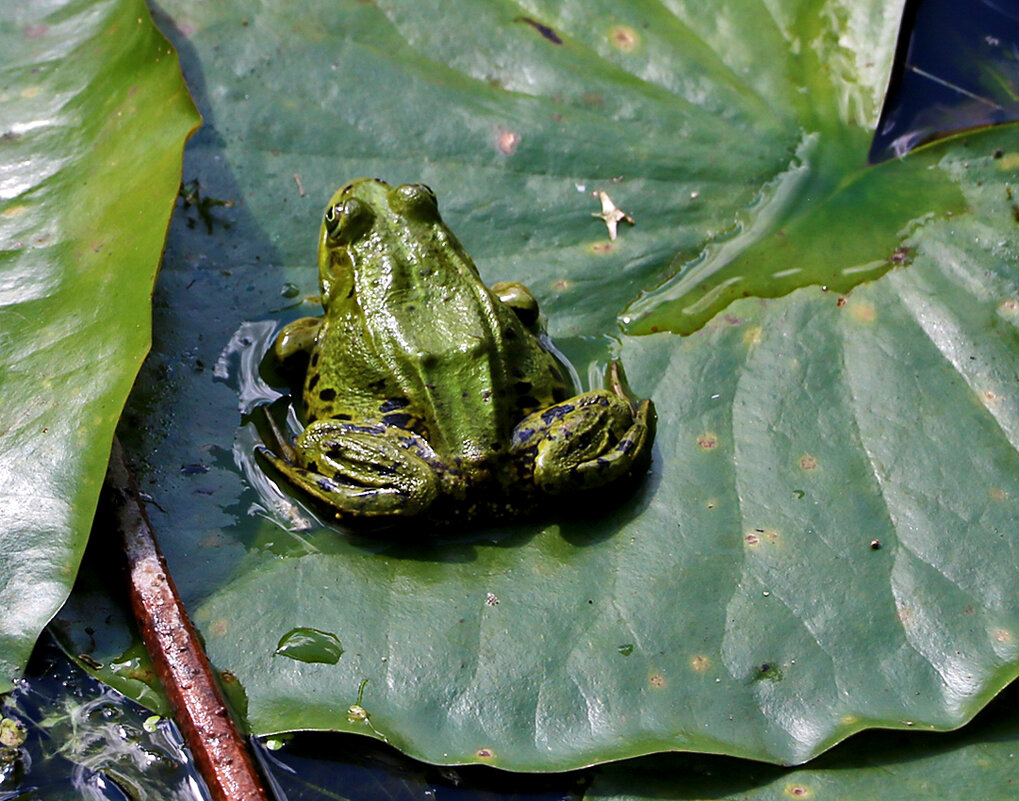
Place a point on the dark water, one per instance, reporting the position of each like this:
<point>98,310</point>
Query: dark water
<point>957,67</point>
<point>85,740</point>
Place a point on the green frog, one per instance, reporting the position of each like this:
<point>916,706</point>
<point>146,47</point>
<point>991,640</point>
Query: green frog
<point>427,393</point>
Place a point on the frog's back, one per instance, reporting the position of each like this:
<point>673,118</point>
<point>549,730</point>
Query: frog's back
<point>414,338</point>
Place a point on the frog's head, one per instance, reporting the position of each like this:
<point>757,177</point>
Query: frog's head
<point>357,205</point>
<point>369,206</point>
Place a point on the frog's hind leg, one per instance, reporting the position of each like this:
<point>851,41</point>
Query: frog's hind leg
<point>362,471</point>
<point>590,440</point>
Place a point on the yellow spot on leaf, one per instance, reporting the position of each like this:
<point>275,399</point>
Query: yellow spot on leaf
<point>1009,306</point>
<point>862,312</point>
<point>998,494</point>
<point>808,462</point>
<point>700,663</point>
<point>1002,635</point>
<point>30,92</point>
<point>990,397</point>
<point>602,247</point>
<point>1009,161</point>
<point>624,38</point>
<point>849,720</point>
<point>219,627</point>
<point>485,753</point>
<point>753,335</point>
<point>707,441</point>
<point>14,211</point>
<point>798,791</point>
<point>656,680</point>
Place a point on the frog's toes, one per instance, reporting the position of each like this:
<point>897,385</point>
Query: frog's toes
<point>588,441</point>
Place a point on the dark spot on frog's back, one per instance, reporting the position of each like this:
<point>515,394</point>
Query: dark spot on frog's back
<point>397,419</point>
<point>556,413</point>
<point>393,404</point>
<point>313,382</point>
<point>327,394</point>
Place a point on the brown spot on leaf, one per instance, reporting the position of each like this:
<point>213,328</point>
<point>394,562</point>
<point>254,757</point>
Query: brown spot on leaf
<point>707,441</point>
<point>624,38</point>
<point>902,255</point>
<point>700,663</point>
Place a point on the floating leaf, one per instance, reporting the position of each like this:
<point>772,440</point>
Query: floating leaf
<point>92,122</point>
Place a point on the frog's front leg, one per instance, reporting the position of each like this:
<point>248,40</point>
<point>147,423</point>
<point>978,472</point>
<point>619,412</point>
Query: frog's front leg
<point>367,470</point>
<point>297,337</point>
<point>589,440</point>
<point>519,298</point>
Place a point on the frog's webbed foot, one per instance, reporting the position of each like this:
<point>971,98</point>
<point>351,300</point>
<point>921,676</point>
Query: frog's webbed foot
<point>589,440</point>
<point>363,470</point>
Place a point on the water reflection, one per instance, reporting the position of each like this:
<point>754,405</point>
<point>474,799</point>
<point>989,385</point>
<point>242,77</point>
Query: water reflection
<point>88,738</point>
<point>955,69</point>
<point>239,366</point>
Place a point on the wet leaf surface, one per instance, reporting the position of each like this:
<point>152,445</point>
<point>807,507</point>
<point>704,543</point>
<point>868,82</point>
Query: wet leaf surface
<point>92,123</point>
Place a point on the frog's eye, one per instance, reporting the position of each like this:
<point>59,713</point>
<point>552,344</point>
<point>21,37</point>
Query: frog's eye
<point>414,200</point>
<point>348,220</point>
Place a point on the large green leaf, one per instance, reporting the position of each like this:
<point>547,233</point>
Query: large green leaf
<point>736,603</point>
<point>978,761</point>
<point>93,118</point>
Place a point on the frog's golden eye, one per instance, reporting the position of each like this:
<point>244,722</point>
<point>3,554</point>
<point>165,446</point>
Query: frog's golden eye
<point>414,200</point>
<point>348,220</point>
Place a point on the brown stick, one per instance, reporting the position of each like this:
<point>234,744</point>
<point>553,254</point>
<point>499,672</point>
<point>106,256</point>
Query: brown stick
<point>173,646</point>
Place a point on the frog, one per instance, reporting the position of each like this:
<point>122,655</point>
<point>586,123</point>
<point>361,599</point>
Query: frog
<point>428,394</point>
